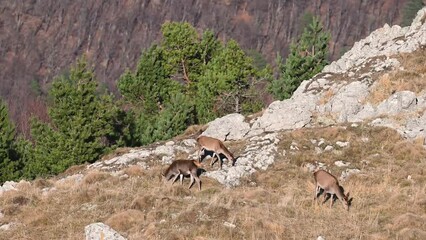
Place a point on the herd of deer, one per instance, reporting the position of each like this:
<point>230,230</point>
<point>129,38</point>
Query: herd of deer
<point>325,183</point>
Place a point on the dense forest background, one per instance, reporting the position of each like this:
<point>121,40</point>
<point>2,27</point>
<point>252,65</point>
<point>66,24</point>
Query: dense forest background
<point>113,92</point>
<point>41,39</point>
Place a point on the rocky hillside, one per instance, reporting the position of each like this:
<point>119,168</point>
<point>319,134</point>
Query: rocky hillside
<point>40,39</point>
<point>363,119</point>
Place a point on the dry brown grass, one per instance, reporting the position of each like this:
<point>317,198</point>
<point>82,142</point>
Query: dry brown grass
<point>389,197</point>
<point>134,171</point>
<point>411,78</point>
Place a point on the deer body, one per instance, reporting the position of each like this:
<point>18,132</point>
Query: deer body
<point>181,168</point>
<point>329,185</point>
<point>216,146</point>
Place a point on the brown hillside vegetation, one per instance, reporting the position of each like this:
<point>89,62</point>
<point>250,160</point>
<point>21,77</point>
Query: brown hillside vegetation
<point>410,77</point>
<point>389,197</point>
<point>42,39</point>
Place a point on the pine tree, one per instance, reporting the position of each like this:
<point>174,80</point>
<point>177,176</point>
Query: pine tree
<point>150,86</point>
<point>209,47</point>
<point>226,80</point>
<point>8,165</point>
<point>148,90</point>
<point>186,79</point>
<point>307,57</point>
<point>410,11</point>
<point>81,121</point>
<point>181,49</point>
<point>177,115</point>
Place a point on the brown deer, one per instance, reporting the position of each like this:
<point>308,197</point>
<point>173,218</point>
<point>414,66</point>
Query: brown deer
<point>217,147</point>
<point>181,168</point>
<point>328,185</point>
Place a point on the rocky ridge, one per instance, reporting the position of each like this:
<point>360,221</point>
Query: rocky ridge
<point>302,110</point>
<point>376,53</point>
<point>350,80</point>
<point>41,39</point>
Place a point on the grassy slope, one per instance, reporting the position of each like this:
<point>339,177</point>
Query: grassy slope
<point>389,193</point>
<point>273,204</point>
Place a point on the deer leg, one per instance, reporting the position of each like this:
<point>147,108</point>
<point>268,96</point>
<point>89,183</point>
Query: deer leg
<point>192,181</point>
<point>214,159</point>
<point>217,159</point>
<point>325,198</point>
<point>200,153</point>
<point>175,178</point>
<point>316,193</point>
<point>194,174</point>
<point>344,205</point>
<point>181,178</point>
<point>197,179</point>
<point>332,200</point>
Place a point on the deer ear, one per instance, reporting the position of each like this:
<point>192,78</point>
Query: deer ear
<point>347,195</point>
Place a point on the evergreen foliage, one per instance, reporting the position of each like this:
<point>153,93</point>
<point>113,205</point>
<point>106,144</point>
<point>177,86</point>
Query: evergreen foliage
<point>226,80</point>
<point>150,90</point>
<point>150,86</point>
<point>181,50</point>
<point>188,78</point>
<point>82,121</point>
<point>9,164</point>
<point>410,11</point>
<point>176,116</point>
<point>307,57</point>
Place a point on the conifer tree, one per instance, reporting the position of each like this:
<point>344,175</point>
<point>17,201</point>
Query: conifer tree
<point>176,116</point>
<point>81,122</point>
<point>181,49</point>
<point>225,81</point>
<point>410,11</point>
<point>9,165</point>
<point>149,90</point>
<point>307,57</point>
<point>186,79</point>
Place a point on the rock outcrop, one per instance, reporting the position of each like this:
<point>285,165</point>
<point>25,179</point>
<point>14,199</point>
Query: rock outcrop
<point>100,231</point>
<point>344,85</point>
<point>311,105</point>
<point>41,39</point>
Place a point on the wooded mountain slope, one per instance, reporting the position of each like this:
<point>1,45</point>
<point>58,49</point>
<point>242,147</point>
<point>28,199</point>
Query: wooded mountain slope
<point>40,39</point>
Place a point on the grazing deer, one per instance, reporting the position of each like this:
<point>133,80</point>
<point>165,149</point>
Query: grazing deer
<point>215,145</point>
<point>181,168</point>
<point>330,188</point>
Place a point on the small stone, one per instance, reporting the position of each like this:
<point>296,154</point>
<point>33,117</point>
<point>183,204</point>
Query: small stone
<point>318,150</point>
<point>349,172</point>
<point>328,148</point>
<point>294,148</point>
<point>342,163</point>
<point>229,225</point>
<point>189,142</point>
<point>342,144</point>
<point>97,231</point>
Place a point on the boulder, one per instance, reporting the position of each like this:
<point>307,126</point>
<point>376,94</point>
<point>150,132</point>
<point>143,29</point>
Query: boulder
<point>229,127</point>
<point>101,231</point>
